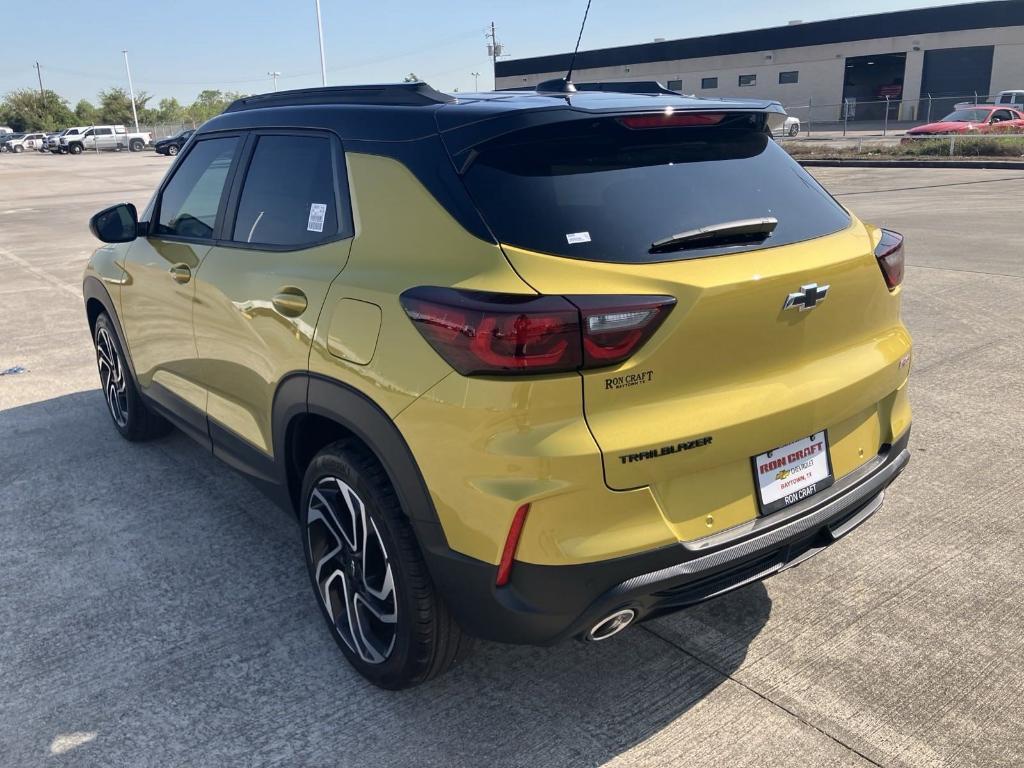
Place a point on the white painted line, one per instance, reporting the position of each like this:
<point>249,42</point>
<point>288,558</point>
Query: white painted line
<point>41,273</point>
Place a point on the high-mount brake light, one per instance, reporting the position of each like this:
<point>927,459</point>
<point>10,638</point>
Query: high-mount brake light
<point>670,119</point>
<point>891,257</point>
<point>480,333</point>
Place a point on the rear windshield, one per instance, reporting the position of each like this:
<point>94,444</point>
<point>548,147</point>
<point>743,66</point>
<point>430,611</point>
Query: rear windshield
<point>600,191</point>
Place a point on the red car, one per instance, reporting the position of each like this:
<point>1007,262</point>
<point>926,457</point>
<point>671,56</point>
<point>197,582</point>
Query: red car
<point>980,118</point>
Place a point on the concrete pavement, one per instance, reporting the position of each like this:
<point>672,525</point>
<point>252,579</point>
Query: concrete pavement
<point>155,609</point>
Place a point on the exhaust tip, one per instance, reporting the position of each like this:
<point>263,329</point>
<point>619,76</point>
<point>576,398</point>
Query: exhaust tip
<point>611,625</point>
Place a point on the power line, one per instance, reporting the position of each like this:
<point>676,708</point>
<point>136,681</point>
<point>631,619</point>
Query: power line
<point>114,76</point>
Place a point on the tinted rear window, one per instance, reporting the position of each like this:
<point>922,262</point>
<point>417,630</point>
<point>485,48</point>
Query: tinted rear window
<point>603,192</point>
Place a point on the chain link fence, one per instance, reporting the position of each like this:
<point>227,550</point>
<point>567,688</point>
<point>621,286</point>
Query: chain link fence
<point>881,116</point>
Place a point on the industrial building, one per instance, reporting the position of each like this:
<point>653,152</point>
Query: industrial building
<point>923,61</point>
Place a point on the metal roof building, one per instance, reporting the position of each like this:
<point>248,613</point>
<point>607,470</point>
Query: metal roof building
<point>907,62</point>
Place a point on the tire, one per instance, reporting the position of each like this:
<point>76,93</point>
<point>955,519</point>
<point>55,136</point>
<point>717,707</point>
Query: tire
<point>75,149</point>
<point>172,150</point>
<point>375,595</point>
<point>794,130</point>
<point>19,149</point>
<point>131,417</point>
<point>136,145</point>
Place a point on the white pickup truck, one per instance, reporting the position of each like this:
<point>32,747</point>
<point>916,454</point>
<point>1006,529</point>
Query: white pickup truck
<point>99,137</point>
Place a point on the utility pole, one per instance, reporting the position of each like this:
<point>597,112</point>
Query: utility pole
<point>131,89</point>
<point>476,80</point>
<point>274,76</point>
<point>320,34</point>
<point>39,73</point>
<point>493,49</point>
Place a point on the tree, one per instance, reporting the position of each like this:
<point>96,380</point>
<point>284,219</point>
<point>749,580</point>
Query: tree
<point>29,110</point>
<point>116,106</point>
<point>209,104</point>
<point>170,111</point>
<point>85,112</point>
<point>412,77</point>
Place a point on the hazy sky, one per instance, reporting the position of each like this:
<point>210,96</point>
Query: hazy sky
<point>179,48</point>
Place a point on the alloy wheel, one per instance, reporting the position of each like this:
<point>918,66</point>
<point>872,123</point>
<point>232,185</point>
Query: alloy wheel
<point>352,570</point>
<point>112,377</point>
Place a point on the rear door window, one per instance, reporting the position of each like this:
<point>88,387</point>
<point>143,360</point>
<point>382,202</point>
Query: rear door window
<point>600,191</point>
<point>289,198</point>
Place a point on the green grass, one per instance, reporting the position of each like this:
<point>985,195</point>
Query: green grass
<point>963,147</point>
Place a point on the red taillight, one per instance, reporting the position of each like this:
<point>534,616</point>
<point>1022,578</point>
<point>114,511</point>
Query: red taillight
<point>672,119</point>
<point>511,542</point>
<point>890,255</point>
<point>614,327</point>
<point>499,333</point>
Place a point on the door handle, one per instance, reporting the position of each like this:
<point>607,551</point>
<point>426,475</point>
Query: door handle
<point>181,273</point>
<point>290,302</point>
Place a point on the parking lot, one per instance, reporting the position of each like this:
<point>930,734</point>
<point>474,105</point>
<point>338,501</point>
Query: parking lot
<point>155,608</point>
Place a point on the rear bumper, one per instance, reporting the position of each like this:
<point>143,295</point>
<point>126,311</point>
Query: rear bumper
<point>544,604</point>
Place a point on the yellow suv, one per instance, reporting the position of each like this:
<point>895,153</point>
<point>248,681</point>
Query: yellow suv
<point>526,366</point>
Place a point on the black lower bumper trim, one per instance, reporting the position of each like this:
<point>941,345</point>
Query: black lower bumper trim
<point>545,604</point>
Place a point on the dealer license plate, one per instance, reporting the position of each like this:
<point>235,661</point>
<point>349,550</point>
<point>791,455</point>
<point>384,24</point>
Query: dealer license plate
<point>793,472</point>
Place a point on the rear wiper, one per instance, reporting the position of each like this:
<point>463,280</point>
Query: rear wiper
<point>726,233</point>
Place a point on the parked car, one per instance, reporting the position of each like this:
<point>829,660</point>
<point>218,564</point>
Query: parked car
<point>58,144</point>
<point>788,127</point>
<point>44,145</point>
<point>975,119</point>
<point>7,138</point>
<point>172,144</point>
<point>4,129</point>
<point>535,389</point>
<point>99,137</point>
<point>25,141</point>
<point>1013,99</point>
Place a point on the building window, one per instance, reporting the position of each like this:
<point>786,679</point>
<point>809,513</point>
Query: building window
<point>788,77</point>
<point>707,83</point>
<point>675,85</point>
<point>746,80</point>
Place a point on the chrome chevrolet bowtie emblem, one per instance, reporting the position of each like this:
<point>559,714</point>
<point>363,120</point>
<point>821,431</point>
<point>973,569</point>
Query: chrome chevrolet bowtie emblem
<point>808,297</point>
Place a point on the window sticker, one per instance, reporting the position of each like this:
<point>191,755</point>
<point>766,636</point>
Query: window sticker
<point>578,237</point>
<point>317,214</point>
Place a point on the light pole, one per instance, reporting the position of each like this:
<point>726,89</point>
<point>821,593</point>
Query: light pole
<point>274,76</point>
<point>320,34</point>
<point>131,89</point>
<point>476,80</point>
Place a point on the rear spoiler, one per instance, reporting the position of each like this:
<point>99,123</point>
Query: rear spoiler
<point>463,139</point>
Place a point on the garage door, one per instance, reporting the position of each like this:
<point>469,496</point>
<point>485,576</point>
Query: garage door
<point>955,74</point>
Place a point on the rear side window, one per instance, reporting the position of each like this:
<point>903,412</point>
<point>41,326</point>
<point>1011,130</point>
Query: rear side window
<point>288,198</point>
<point>188,206</point>
<point>599,191</point>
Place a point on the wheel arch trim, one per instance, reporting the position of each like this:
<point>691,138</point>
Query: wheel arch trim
<point>94,290</point>
<point>365,419</point>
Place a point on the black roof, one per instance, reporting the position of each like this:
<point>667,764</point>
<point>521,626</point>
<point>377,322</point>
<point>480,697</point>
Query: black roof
<point>1000,13</point>
<point>385,94</point>
<point>409,111</point>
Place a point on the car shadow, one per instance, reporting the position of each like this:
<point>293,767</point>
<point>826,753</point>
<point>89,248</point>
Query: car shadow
<point>156,611</point>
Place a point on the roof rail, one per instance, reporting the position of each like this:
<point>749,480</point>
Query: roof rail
<point>387,94</point>
<point>627,86</point>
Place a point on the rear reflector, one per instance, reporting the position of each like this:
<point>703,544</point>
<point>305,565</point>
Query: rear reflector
<point>511,542</point>
<point>890,255</point>
<point>670,119</point>
<point>498,333</point>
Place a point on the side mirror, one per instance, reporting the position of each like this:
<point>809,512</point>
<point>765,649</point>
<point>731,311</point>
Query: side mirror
<point>116,224</point>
